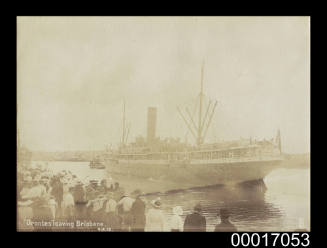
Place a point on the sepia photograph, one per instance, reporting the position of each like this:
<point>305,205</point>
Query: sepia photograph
<point>163,124</point>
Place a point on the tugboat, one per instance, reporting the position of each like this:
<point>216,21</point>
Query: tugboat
<point>96,164</point>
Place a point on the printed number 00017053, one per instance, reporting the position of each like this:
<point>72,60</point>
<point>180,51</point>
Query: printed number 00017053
<point>270,239</point>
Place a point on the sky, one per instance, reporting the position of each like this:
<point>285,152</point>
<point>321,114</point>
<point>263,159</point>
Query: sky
<point>74,73</point>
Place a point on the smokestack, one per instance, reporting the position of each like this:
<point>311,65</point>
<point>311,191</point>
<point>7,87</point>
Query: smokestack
<point>152,122</point>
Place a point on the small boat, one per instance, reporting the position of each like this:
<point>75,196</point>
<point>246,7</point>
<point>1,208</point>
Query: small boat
<point>96,164</point>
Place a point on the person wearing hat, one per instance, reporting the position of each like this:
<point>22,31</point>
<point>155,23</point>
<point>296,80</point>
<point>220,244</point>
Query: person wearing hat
<point>40,206</point>
<point>111,204</point>
<point>124,207</point>
<point>58,192</point>
<point>68,205</point>
<point>119,192</point>
<point>225,225</point>
<point>97,208</point>
<point>53,206</point>
<point>195,222</point>
<point>79,195</point>
<point>176,222</point>
<point>110,184</point>
<point>37,190</point>
<point>155,219</point>
<point>138,212</point>
<point>112,219</point>
<point>26,186</point>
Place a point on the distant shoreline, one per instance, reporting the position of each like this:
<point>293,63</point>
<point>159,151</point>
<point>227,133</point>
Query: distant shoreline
<point>296,161</point>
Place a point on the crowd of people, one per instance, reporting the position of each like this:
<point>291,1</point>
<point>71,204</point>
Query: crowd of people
<point>44,196</point>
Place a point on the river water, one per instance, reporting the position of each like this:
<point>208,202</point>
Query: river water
<point>284,206</point>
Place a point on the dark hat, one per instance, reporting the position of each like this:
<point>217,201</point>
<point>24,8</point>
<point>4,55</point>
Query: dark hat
<point>136,193</point>
<point>198,207</point>
<point>224,213</point>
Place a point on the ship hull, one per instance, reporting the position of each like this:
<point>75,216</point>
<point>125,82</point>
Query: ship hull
<point>159,176</point>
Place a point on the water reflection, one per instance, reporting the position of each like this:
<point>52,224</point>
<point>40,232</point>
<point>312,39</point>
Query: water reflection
<point>246,204</point>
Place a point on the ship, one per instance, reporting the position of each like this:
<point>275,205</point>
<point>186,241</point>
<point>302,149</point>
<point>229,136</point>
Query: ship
<point>96,164</point>
<point>155,165</point>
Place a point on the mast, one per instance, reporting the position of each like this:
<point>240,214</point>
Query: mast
<point>209,122</point>
<point>199,131</point>
<point>128,128</point>
<point>186,122</point>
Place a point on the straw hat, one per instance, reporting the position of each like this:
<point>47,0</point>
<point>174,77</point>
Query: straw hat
<point>156,203</point>
<point>101,196</point>
<point>25,203</point>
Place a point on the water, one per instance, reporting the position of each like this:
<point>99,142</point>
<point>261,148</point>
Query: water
<point>285,206</point>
